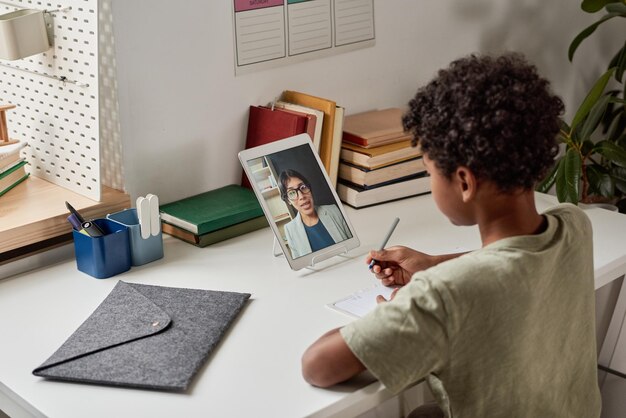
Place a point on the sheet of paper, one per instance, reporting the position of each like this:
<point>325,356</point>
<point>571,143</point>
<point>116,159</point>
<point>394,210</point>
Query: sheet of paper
<point>360,303</point>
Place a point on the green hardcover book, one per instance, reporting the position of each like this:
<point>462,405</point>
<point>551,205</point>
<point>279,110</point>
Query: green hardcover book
<point>12,177</point>
<point>218,235</point>
<point>212,210</point>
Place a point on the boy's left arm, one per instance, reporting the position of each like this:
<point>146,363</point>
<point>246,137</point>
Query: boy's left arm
<point>329,361</point>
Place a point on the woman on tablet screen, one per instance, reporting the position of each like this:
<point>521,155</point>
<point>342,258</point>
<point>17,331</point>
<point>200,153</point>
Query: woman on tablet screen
<point>314,227</point>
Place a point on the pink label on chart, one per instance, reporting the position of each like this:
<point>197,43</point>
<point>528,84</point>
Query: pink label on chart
<point>243,5</point>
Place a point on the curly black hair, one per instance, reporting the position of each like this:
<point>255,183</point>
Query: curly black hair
<point>494,115</point>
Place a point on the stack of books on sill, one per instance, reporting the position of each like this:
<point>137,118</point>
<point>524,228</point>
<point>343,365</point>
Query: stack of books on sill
<point>213,216</point>
<point>12,168</point>
<point>296,113</point>
<point>377,162</point>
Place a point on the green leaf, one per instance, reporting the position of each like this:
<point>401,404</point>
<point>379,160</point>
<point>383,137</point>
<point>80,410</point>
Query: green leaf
<point>612,152</point>
<point>621,186</point>
<point>560,183</point>
<point>606,186</point>
<point>549,180</point>
<point>573,171</point>
<point>600,182</point>
<point>592,6</point>
<point>568,177</point>
<point>616,127</point>
<point>619,176</point>
<point>595,115</point>
<point>592,97</point>
<point>587,147</point>
<point>593,178</point>
<point>617,7</point>
<point>618,173</point>
<point>620,63</point>
<point>562,138</point>
<point>588,31</point>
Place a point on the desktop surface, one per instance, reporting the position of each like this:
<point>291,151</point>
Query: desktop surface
<point>255,370</point>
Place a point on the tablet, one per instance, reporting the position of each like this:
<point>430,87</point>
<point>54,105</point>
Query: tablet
<point>300,204</point>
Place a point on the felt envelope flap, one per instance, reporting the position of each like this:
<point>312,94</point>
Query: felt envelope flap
<point>125,315</point>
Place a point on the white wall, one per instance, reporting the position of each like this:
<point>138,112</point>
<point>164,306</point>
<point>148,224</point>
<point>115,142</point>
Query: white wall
<point>184,113</point>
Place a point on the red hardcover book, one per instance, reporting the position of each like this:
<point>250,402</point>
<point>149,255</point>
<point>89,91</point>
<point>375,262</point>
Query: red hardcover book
<point>266,125</point>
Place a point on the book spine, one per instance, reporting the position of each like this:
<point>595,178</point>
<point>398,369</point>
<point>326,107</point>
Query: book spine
<point>354,139</point>
<point>354,157</point>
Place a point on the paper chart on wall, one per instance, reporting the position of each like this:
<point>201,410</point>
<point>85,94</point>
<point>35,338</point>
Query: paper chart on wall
<point>270,33</point>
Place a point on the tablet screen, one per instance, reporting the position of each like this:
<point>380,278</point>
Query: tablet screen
<point>301,206</point>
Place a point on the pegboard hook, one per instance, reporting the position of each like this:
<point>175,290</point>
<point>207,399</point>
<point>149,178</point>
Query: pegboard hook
<point>64,9</point>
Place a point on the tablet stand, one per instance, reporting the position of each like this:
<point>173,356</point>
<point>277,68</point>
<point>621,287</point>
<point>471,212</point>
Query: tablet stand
<point>341,252</point>
<point>280,251</point>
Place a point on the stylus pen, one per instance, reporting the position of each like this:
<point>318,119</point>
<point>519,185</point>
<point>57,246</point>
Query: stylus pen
<point>74,212</point>
<point>382,246</point>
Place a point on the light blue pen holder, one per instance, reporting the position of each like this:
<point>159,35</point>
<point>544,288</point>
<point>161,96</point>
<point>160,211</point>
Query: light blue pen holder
<point>142,251</point>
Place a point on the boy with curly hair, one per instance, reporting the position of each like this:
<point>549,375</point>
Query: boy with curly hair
<point>507,330</point>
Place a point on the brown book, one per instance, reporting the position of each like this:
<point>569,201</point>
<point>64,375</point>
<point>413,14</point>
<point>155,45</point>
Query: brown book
<point>365,177</point>
<point>328,126</point>
<point>377,157</point>
<point>375,127</point>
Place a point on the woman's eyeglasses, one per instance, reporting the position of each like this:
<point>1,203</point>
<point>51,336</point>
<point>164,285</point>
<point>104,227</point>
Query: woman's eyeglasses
<point>292,194</point>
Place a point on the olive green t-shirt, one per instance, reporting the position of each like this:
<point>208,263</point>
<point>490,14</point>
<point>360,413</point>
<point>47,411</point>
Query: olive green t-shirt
<point>504,331</point>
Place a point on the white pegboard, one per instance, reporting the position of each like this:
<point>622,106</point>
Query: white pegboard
<point>111,167</point>
<point>59,119</point>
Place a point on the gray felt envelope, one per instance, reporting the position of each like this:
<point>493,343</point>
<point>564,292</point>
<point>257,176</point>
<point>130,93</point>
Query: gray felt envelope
<point>145,336</point>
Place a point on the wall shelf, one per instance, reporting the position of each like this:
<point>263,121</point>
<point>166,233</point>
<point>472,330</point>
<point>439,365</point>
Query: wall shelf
<point>34,213</point>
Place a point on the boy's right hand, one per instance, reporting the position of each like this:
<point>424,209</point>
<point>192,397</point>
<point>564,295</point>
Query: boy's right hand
<point>396,265</point>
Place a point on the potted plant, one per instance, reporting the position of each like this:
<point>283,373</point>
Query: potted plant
<point>593,167</point>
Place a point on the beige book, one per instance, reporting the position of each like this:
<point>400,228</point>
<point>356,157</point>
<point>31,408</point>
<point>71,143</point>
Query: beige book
<point>326,106</point>
<point>374,127</point>
<point>385,174</point>
<point>377,157</point>
<point>319,122</point>
<point>359,198</point>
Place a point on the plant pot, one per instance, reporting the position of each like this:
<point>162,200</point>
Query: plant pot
<point>23,33</point>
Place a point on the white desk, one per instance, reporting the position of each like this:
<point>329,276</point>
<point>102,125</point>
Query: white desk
<point>255,372</point>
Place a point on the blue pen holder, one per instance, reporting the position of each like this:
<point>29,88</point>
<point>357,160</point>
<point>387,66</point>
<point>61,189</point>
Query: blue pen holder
<point>104,256</point>
<point>142,250</point>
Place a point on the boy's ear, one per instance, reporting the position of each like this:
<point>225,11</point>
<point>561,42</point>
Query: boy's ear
<point>467,183</point>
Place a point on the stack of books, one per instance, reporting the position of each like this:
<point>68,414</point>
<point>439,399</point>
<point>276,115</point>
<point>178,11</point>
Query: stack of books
<point>12,168</point>
<point>296,113</point>
<point>213,216</point>
<point>377,162</point>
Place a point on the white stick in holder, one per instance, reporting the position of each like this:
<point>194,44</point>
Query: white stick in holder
<point>155,219</point>
<point>143,214</point>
